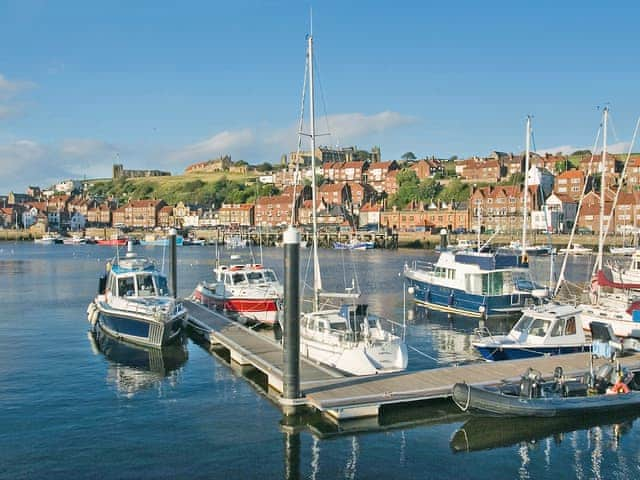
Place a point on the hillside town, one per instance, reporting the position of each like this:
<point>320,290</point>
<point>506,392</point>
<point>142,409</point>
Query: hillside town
<point>360,191</point>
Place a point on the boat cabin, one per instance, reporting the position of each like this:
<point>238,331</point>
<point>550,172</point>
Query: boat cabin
<point>245,275</point>
<point>351,318</point>
<point>549,326</point>
<point>483,274</point>
<point>144,283</point>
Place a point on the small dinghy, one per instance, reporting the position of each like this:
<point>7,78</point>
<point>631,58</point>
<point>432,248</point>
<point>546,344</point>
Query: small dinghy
<point>607,389</point>
<point>534,397</point>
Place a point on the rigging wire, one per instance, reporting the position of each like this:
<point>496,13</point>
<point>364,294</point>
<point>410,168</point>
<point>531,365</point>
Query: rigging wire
<point>322,99</point>
<point>561,278</point>
<point>296,172</point>
<point>622,175</point>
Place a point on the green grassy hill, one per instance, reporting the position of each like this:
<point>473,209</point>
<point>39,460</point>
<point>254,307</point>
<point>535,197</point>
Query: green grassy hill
<point>199,188</point>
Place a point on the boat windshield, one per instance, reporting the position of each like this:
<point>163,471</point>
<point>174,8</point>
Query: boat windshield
<point>126,286</point>
<point>145,285</point>
<point>238,278</point>
<point>270,276</point>
<point>523,324</point>
<point>254,277</point>
<point>539,327</point>
<point>161,285</point>
<point>522,281</point>
<point>338,326</point>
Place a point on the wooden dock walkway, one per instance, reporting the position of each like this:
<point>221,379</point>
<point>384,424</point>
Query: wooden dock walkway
<point>248,347</point>
<point>343,398</point>
<point>364,396</point>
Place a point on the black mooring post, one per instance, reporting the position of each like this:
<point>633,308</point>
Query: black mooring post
<point>174,262</point>
<point>291,337</point>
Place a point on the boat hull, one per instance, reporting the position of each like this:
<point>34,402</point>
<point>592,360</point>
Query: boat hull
<point>457,301</point>
<point>112,243</point>
<point>504,352</point>
<point>491,402</point>
<point>357,358</point>
<point>136,328</point>
<point>262,310</point>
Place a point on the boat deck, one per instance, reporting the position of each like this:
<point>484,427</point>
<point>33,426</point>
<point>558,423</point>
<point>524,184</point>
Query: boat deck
<point>344,398</point>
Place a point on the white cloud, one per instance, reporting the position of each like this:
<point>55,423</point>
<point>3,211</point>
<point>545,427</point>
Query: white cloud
<point>620,147</point>
<point>8,90</point>
<point>82,147</point>
<point>27,162</point>
<point>219,144</point>
<point>351,126</point>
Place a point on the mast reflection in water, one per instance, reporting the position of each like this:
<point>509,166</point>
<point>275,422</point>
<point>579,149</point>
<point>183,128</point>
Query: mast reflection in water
<point>133,368</point>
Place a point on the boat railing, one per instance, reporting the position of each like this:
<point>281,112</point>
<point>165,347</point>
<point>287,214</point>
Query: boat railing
<point>421,265</point>
<point>483,332</point>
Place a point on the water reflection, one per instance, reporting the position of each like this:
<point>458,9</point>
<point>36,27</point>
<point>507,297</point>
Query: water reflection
<point>446,339</point>
<point>485,433</point>
<point>134,368</point>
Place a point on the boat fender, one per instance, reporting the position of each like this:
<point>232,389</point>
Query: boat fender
<point>619,387</point>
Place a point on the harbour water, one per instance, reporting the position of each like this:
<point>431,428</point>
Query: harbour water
<point>76,406</point>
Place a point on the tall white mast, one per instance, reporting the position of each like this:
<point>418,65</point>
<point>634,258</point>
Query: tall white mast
<point>602,188</point>
<point>525,204</point>
<point>317,280</point>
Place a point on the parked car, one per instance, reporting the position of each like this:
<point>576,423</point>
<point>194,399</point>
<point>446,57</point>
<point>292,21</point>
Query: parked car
<point>584,231</point>
<point>459,230</point>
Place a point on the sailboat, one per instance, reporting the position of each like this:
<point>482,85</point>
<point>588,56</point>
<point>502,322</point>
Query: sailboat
<point>616,309</point>
<point>349,337</point>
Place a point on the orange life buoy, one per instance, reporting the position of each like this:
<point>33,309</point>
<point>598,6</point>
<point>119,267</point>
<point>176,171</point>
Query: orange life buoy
<point>619,387</point>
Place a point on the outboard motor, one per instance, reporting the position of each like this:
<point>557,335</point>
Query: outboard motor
<point>530,384</point>
<point>605,376</point>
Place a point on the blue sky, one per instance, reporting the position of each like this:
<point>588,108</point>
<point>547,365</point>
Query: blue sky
<point>165,84</point>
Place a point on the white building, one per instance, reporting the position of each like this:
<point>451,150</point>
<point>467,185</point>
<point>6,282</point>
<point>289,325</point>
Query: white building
<point>567,208</point>
<point>541,177</point>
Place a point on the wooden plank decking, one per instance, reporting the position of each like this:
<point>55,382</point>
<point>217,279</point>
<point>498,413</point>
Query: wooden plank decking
<point>248,347</point>
<point>370,393</point>
<point>343,397</point>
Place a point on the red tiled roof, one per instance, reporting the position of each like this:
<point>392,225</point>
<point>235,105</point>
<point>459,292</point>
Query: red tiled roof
<point>331,187</point>
<point>572,174</point>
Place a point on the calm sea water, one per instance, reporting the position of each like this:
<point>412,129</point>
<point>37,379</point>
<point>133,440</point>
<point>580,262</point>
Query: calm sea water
<point>73,406</point>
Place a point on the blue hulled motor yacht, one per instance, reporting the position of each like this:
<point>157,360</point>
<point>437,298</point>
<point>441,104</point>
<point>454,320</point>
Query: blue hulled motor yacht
<point>476,284</point>
<point>133,303</point>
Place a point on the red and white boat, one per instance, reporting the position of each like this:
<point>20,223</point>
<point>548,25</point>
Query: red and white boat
<point>250,291</point>
<point>113,242</point>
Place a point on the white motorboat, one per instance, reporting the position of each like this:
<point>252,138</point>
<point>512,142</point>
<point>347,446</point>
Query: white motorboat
<point>630,274</point>
<point>48,239</point>
<point>133,303</point>
<point>576,249</point>
<point>549,329</point>
<point>623,251</point>
<point>250,291</point>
